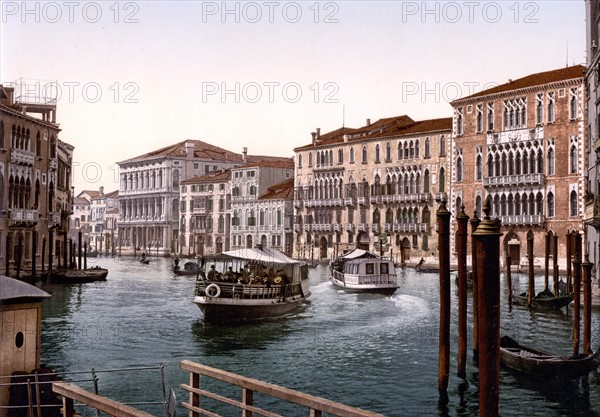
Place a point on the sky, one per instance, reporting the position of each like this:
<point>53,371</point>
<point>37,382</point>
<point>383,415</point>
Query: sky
<point>131,77</point>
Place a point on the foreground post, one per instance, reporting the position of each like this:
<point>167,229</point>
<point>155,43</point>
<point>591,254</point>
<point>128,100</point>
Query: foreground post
<point>509,279</point>
<point>443,221</point>
<point>461,248</point>
<point>34,245</point>
<point>8,243</point>
<point>19,254</point>
<point>547,261</point>
<point>576,304</point>
<point>43,255</point>
<point>474,224</point>
<point>79,242</point>
<point>531,286</point>
<point>487,241</point>
<point>555,263</point>
<point>586,277</point>
<point>50,250</point>
<point>569,243</point>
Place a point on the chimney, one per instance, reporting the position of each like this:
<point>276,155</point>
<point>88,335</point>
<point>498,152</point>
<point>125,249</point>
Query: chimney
<point>101,190</point>
<point>314,137</point>
<point>245,154</point>
<point>318,133</point>
<point>189,149</point>
<point>346,138</point>
<point>368,122</point>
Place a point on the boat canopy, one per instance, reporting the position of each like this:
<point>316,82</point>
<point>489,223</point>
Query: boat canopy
<point>358,253</point>
<point>263,255</point>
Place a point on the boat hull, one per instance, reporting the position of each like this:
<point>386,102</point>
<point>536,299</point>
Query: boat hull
<point>387,289</point>
<point>78,276</point>
<point>554,303</point>
<point>544,364</point>
<point>219,310</point>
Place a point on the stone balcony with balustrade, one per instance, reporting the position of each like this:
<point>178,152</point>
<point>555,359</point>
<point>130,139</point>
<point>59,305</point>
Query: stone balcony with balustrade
<point>511,180</point>
<point>20,156</point>
<point>522,219</point>
<point>24,216</point>
<point>592,212</point>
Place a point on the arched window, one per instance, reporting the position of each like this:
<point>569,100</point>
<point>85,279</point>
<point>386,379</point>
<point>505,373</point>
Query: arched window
<point>442,186</point>
<point>573,107</point>
<point>550,205</point>
<point>426,181</point>
<point>458,205</point>
<point>299,160</point>
<point>426,215</point>
<point>479,168</point>
<point>459,169</point>
<point>388,152</point>
<point>310,159</point>
<point>412,149</point>
<point>2,144</point>
<point>406,151</point>
<point>175,179</point>
<point>573,204</point>
<point>416,149</point>
<point>376,154</point>
<point>573,158</point>
<point>550,107</point>
<point>340,156</point>
<point>427,148</point>
<point>442,146</point>
<point>479,118</point>
<point>490,117</point>
<point>551,161</point>
<point>279,220</point>
<point>400,152</point>
<point>389,216</point>
<point>261,217</point>
<point>376,217</point>
<point>490,165</point>
<point>52,147</point>
<point>351,155</point>
<point>364,154</point>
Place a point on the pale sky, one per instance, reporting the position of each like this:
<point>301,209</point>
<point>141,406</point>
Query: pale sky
<point>138,76</point>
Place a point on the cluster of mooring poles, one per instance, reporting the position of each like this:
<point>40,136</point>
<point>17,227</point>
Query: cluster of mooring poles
<point>486,303</point>
<point>485,245</point>
<point>68,254</point>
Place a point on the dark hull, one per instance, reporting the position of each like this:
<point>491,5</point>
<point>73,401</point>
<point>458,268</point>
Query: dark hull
<point>185,272</point>
<point>78,276</point>
<point>224,312</point>
<point>544,364</point>
<point>363,289</point>
<point>543,303</point>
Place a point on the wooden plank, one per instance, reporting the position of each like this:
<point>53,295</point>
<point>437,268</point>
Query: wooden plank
<point>276,391</point>
<point>98,402</point>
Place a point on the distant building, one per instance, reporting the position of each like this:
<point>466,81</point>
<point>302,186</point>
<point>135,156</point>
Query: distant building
<point>276,217</point>
<point>592,202</point>
<point>258,210</point>
<point>205,218</point>
<point>103,228</point>
<point>35,183</point>
<point>521,144</point>
<point>373,188</point>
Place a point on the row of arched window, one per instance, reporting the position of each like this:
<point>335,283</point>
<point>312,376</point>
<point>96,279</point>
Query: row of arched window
<point>20,193</point>
<point>144,180</point>
<point>266,217</point>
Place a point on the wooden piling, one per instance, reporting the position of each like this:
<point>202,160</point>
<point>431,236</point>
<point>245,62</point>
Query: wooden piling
<point>71,255</point>
<point>443,222</point>
<point>461,248</point>
<point>7,260</point>
<point>43,255</point>
<point>50,249</point>
<point>586,277</point>
<point>509,279</point>
<point>65,253</point>
<point>546,261</point>
<point>34,245</point>
<point>531,278</point>
<point>79,243</point>
<point>474,224</point>
<point>85,246</point>
<point>569,242</point>
<point>576,305</point>
<point>19,254</point>
<point>555,264</point>
<point>487,241</point>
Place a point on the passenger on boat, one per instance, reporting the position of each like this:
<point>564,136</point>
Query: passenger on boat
<point>212,274</point>
<point>176,262</point>
<point>230,275</point>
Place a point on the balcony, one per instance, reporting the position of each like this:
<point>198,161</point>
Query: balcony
<point>349,201</point>
<point>362,201</point>
<point>20,156</point>
<point>411,227</point>
<point>297,227</point>
<point>349,227</point>
<point>54,218</point>
<point>592,212</point>
<point>509,180</point>
<point>199,210</point>
<point>596,145</point>
<point>25,216</point>
<point>336,227</point>
<point>375,227</point>
<point>53,164</point>
<point>307,227</point>
<point>243,198</point>
<point>325,202</point>
<point>376,199</point>
<point>361,227</point>
<point>298,203</point>
<point>388,227</point>
<point>522,220</point>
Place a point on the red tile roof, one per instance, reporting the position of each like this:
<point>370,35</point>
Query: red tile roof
<point>391,126</point>
<point>541,78</point>
<point>201,150</point>
<point>280,191</point>
<point>211,177</point>
<point>268,162</point>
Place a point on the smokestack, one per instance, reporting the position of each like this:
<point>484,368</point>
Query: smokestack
<point>189,150</point>
<point>368,122</point>
<point>101,190</point>
<point>244,154</point>
<point>314,136</point>
<point>318,132</point>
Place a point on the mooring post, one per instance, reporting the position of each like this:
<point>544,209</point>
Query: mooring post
<point>509,279</point>
<point>34,245</point>
<point>546,261</point>
<point>50,250</point>
<point>19,254</point>
<point>555,263</point>
<point>576,305</point>
<point>487,241</point>
<point>43,255</point>
<point>65,253</point>
<point>531,282</point>
<point>569,242</point>
<point>474,224</point>
<point>443,222</point>
<point>85,246</point>
<point>586,277</point>
<point>71,254</point>
<point>7,260</point>
<point>461,249</point>
<point>79,242</point>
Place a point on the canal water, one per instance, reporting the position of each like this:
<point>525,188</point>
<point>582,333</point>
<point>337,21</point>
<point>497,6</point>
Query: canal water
<point>375,352</point>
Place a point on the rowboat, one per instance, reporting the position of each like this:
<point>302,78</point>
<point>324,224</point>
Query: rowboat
<point>78,276</point>
<point>189,268</point>
<point>544,364</point>
<point>545,300</point>
<point>362,271</point>
<point>251,284</point>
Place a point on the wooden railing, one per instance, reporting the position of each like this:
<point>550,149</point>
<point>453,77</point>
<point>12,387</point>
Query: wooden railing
<point>72,393</point>
<point>315,406</point>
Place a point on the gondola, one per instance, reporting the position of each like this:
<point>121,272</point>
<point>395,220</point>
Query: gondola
<point>544,364</point>
<point>189,268</point>
<point>545,300</point>
<point>78,276</point>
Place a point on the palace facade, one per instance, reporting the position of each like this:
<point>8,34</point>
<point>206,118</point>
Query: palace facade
<point>374,187</point>
<point>522,146</point>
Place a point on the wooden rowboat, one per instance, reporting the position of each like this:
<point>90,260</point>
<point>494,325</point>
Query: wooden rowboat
<point>545,300</point>
<point>544,364</point>
<point>78,276</point>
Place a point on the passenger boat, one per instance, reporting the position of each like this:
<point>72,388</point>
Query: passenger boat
<point>189,268</point>
<point>544,364</point>
<point>545,300</point>
<point>363,271</point>
<point>251,284</point>
<point>78,276</point>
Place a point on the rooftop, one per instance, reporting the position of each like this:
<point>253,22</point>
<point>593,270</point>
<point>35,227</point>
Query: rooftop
<point>280,191</point>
